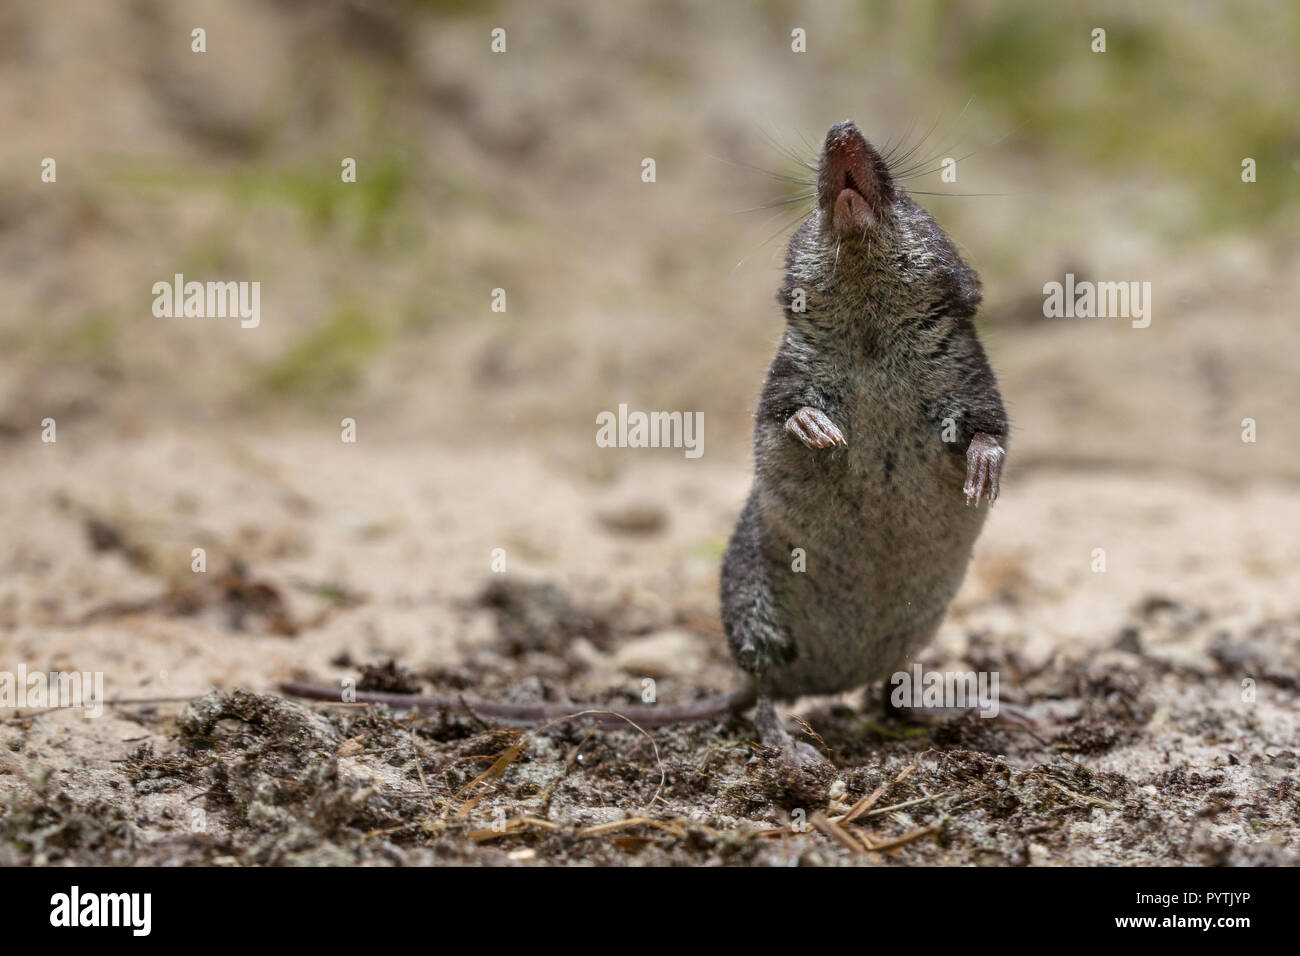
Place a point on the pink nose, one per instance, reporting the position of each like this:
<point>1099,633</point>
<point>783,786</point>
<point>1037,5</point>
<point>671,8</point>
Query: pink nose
<point>843,136</point>
<point>850,186</point>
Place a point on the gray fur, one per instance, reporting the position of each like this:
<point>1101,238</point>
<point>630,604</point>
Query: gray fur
<point>887,351</point>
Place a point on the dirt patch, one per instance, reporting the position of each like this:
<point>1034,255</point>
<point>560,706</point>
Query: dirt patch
<point>1093,776</point>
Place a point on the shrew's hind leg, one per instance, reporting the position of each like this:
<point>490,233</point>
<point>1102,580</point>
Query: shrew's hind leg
<point>771,733</point>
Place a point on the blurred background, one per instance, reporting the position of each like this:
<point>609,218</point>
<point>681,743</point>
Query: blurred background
<point>522,171</point>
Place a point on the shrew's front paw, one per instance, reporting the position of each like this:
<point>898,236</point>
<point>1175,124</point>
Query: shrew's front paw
<point>812,427</point>
<point>984,460</point>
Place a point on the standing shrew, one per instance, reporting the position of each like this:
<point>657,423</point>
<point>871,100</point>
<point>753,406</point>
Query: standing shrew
<point>879,426</point>
<point>879,430</point>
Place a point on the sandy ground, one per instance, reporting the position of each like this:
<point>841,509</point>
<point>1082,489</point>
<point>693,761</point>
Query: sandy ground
<point>1143,749</point>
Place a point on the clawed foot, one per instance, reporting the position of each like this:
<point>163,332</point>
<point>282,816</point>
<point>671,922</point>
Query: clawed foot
<point>771,732</point>
<point>801,754</point>
<point>796,757</point>
<point>984,460</point>
<point>814,429</point>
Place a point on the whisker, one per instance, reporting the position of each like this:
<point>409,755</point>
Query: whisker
<point>812,150</point>
<point>930,172</point>
<point>788,152</point>
<point>893,167</point>
<point>780,177</point>
<point>918,192</point>
<point>768,239</point>
<point>803,197</point>
<point>893,161</point>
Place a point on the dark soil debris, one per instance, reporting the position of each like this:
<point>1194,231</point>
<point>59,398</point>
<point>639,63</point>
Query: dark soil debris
<point>541,617</point>
<point>388,677</point>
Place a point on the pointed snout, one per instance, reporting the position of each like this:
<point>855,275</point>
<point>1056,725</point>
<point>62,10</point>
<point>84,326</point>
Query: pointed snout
<point>853,184</point>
